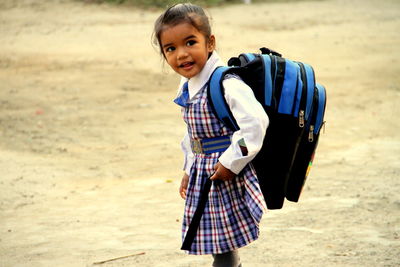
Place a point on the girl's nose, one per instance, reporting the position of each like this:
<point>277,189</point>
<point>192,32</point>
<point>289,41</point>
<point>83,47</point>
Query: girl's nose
<point>182,53</point>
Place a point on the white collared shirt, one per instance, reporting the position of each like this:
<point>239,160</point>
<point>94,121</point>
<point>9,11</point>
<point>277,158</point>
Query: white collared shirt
<point>247,111</point>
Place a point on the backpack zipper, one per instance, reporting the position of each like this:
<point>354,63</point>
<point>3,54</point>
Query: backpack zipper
<point>301,118</point>
<point>311,134</point>
<point>314,114</point>
<point>303,99</point>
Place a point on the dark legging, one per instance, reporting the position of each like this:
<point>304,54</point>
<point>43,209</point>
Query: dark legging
<point>228,259</point>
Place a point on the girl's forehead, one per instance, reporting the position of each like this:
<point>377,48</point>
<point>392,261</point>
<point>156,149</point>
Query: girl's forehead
<point>178,32</point>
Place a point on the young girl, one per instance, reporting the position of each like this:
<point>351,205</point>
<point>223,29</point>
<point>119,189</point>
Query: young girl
<point>212,151</point>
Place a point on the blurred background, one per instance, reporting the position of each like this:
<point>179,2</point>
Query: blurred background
<point>90,161</point>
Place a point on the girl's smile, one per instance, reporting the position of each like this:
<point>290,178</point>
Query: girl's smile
<point>186,49</point>
<point>186,65</point>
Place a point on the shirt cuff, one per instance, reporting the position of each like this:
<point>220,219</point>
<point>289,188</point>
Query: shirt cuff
<point>233,158</point>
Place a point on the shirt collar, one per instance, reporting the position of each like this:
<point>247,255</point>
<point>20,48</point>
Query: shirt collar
<point>199,81</point>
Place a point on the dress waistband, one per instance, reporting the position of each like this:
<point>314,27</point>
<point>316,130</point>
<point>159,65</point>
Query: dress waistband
<point>210,145</point>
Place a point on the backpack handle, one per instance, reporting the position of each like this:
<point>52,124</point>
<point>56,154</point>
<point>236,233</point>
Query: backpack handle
<point>267,51</point>
<point>234,61</point>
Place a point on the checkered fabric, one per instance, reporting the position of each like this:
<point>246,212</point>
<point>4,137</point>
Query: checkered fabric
<point>234,209</point>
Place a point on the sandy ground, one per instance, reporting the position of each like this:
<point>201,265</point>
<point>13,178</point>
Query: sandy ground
<point>90,161</point>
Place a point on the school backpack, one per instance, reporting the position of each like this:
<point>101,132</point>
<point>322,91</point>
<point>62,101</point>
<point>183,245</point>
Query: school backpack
<point>295,105</point>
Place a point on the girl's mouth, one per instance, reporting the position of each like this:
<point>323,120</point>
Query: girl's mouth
<point>186,65</point>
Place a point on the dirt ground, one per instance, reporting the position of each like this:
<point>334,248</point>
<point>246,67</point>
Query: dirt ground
<point>90,161</point>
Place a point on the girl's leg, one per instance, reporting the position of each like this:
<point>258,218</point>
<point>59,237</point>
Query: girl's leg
<point>228,259</point>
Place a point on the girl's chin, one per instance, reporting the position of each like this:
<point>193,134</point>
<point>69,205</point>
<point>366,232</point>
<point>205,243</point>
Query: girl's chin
<point>189,72</point>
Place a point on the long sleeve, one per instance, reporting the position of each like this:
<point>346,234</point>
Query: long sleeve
<point>252,120</point>
<point>188,154</point>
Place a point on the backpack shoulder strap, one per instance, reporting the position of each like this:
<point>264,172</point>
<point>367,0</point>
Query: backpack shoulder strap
<point>217,100</point>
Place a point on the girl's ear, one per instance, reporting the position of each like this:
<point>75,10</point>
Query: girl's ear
<point>211,44</point>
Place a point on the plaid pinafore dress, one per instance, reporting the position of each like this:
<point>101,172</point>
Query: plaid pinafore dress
<point>234,208</point>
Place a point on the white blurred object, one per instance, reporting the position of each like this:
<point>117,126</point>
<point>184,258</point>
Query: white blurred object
<point>247,1</point>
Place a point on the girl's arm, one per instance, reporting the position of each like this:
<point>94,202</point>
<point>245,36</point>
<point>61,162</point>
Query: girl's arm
<point>188,162</point>
<point>253,123</point>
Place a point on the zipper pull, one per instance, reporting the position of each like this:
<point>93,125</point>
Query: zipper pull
<point>301,118</point>
<point>311,134</point>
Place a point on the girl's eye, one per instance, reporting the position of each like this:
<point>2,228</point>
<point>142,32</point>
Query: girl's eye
<point>190,42</point>
<point>169,49</point>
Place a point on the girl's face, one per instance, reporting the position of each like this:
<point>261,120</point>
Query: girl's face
<point>186,49</point>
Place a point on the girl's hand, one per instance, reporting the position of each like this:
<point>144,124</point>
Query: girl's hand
<point>184,185</point>
<point>222,173</point>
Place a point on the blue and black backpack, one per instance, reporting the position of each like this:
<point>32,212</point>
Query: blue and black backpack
<point>295,105</point>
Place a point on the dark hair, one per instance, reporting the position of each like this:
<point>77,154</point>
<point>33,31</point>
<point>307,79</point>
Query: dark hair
<point>181,13</point>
